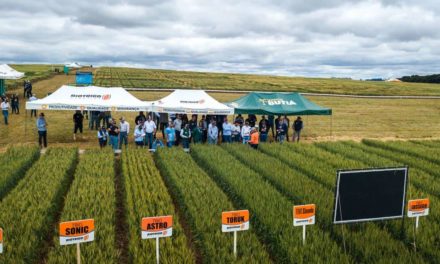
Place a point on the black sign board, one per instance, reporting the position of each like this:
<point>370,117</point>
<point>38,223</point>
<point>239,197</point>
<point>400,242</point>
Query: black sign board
<point>370,194</point>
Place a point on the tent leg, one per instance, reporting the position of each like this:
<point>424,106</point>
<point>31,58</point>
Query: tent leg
<point>331,126</point>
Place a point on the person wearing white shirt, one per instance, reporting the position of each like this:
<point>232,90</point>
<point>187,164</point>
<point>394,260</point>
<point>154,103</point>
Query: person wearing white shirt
<point>5,109</point>
<point>227,131</point>
<point>178,128</point>
<point>212,133</point>
<point>123,132</point>
<point>150,130</point>
<point>139,135</point>
<point>33,98</point>
<point>245,132</point>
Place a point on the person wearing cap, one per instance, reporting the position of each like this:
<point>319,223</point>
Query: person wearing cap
<point>42,131</point>
<point>102,137</point>
<point>150,130</point>
<point>212,133</point>
<point>227,131</point>
<point>297,127</point>
<point>78,119</point>
<point>245,132</point>
<point>170,134</point>
<point>235,134</point>
<point>139,134</point>
<point>113,132</point>
<point>123,134</point>
<point>254,138</point>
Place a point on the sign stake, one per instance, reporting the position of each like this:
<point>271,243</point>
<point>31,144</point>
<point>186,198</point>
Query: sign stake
<point>78,254</point>
<point>235,244</point>
<point>157,250</point>
<point>417,222</point>
<point>304,234</point>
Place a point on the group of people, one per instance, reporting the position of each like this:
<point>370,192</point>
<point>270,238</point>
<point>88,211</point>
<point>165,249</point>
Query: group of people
<point>6,103</point>
<point>177,129</point>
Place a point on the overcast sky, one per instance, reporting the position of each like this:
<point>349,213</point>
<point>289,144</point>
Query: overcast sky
<point>324,38</point>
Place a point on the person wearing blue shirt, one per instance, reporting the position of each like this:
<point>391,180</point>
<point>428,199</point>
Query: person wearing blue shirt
<point>42,131</point>
<point>281,130</point>
<point>102,137</point>
<point>139,135</point>
<point>170,134</point>
<point>227,132</point>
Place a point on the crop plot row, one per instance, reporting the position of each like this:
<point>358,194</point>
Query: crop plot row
<point>202,203</point>
<point>146,195</point>
<point>13,166</point>
<point>92,195</point>
<point>271,211</point>
<point>300,188</point>
<point>28,210</point>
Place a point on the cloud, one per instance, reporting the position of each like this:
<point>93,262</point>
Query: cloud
<point>360,39</point>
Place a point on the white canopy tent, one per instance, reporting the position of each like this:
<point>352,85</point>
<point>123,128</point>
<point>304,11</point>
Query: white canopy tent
<point>90,98</point>
<point>73,65</point>
<point>191,102</point>
<point>7,73</point>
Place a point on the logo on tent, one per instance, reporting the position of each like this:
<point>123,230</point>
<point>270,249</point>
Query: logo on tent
<point>106,97</point>
<point>276,102</point>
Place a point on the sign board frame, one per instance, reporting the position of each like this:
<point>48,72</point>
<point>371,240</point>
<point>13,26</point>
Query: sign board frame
<point>77,239</point>
<point>418,212</point>
<point>337,195</point>
<point>161,232</point>
<point>242,226</point>
<point>304,220</point>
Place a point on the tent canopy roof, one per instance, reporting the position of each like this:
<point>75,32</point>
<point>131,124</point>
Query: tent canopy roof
<point>90,98</point>
<point>191,102</point>
<point>73,65</point>
<point>277,104</point>
<point>7,72</point>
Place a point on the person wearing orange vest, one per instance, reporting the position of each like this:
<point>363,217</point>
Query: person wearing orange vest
<point>255,137</point>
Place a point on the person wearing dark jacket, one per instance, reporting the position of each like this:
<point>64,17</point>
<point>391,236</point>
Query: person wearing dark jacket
<point>78,123</point>
<point>297,127</point>
<point>281,130</point>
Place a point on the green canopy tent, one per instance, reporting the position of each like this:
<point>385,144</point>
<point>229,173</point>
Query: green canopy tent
<point>278,104</point>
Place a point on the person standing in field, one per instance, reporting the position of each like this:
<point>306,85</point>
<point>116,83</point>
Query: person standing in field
<point>102,137</point>
<point>150,130</point>
<point>196,134</point>
<point>203,125</point>
<point>227,132</point>
<point>33,111</point>
<point>178,128</point>
<point>163,122</point>
<point>139,135</point>
<point>15,104</point>
<point>271,125</point>
<point>263,127</point>
<point>254,138</point>
<point>185,134</point>
<point>239,119</point>
<point>245,132</point>
<point>77,123</point>
<point>235,133</point>
<point>140,118</point>
<point>5,109</point>
<point>212,133</point>
<point>42,131</point>
<point>281,130</point>
<point>286,121</point>
<point>124,131</point>
<point>170,134</point>
<point>297,127</point>
<point>113,132</point>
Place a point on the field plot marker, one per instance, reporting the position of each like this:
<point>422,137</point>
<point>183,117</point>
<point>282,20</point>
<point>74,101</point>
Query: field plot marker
<point>304,215</point>
<point>157,227</point>
<point>234,221</point>
<point>417,208</point>
<point>76,232</point>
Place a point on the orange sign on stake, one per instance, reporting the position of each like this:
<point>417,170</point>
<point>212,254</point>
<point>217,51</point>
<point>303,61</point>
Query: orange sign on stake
<point>235,221</point>
<point>419,207</point>
<point>304,215</point>
<point>158,226</point>
<point>75,232</point>
<point>1,240</point>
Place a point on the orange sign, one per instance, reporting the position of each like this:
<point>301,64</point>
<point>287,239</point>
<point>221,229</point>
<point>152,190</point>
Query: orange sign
<point>74,232</point>
<point>158,226</point>
<point>235,221</point>
<point>304,214</point>
<point>419,207</point>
